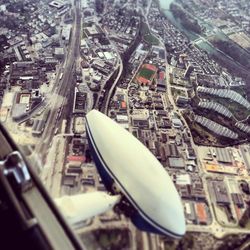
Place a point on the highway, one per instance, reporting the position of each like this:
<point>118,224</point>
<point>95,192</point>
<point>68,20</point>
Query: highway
<point>110,91</point>
<point>119,64</point>
<point>64,85</point>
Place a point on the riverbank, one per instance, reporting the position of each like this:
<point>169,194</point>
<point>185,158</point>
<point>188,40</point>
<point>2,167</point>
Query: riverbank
<point>186,20</point>
<point>216,52</point>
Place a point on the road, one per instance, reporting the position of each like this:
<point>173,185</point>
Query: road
<point>107,99</point>
<point>119,64</point>
<point>214,228</point>
<point>53,170</point>
<point>61,92</point>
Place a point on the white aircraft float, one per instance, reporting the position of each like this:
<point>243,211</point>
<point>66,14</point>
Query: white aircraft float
<point>138,185</point>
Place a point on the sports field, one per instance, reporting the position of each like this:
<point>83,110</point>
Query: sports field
<point>146,73</point>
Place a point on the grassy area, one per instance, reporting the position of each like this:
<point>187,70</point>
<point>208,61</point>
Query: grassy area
<point>203,136</point>
<point>240,90</point>
<point>146,73</point>
<point>233,50</point>
<point>151,39</point>
<point>248,226</point>
<point>147,36</point>
<point>238,110</point>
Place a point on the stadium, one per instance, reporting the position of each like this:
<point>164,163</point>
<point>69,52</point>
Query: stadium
<point>146,74</point>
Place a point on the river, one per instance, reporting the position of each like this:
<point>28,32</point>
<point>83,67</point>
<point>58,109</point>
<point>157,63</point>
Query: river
<point>165,5</point>
<point>202,44</point>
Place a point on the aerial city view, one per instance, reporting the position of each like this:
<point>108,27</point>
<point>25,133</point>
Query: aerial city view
<point>174,73</point>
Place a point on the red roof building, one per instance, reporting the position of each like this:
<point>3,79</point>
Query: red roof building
<point>76,158</point>
<point>201,212</point>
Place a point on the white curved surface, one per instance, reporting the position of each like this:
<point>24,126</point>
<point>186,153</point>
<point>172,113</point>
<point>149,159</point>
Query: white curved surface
<point>81,207</point>
<point>141,176</point>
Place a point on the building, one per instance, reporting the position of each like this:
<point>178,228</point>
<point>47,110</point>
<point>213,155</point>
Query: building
<point>245,151</point>
<point>78,125</point>
<point>188,71</point>
<point>69,180</point>
<point>59,53</point>
<point>140,123</point>
<point>39,124</point>
<point>56,4</point>
<point>237,200</point>
<point>219,168</point>
<point>182,101</point>
<point>161,83</point>
<point>183,179</point>
<point>223,155</point>
<point>190,153</point>
<point>171,150</point>
<point>66,33</point>
<point>244,220</point>
<point>164,137</point>
<point>176,162</point>
<point>74,168</point>
<point>177,123</point>
<point>80,100</point>
<point>24,70</point>
<point>215,127</point>
<point>122,118</point>
<point>201,212</point>
<point>220,192</point>
<point>88,181</point>
<point>38,127</point>
<point>93,31</point>
<point>21,106</point>
<point>190,212</point>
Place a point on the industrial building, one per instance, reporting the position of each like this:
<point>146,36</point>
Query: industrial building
<point>39,124</point>
<point>171,150</point>
<point>220,192</point>
<point>237,200</point>
<point>69,180</point>
<point>190,212</point>
<point>66,33</point>
<point>223,155</point>
<point>80,100</point>
<point>176,162</point>
<point>201,212</point>
<point>141,123</point>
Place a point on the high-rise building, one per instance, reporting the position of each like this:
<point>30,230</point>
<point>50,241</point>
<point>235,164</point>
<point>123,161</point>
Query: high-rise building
<point>188,71</point>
